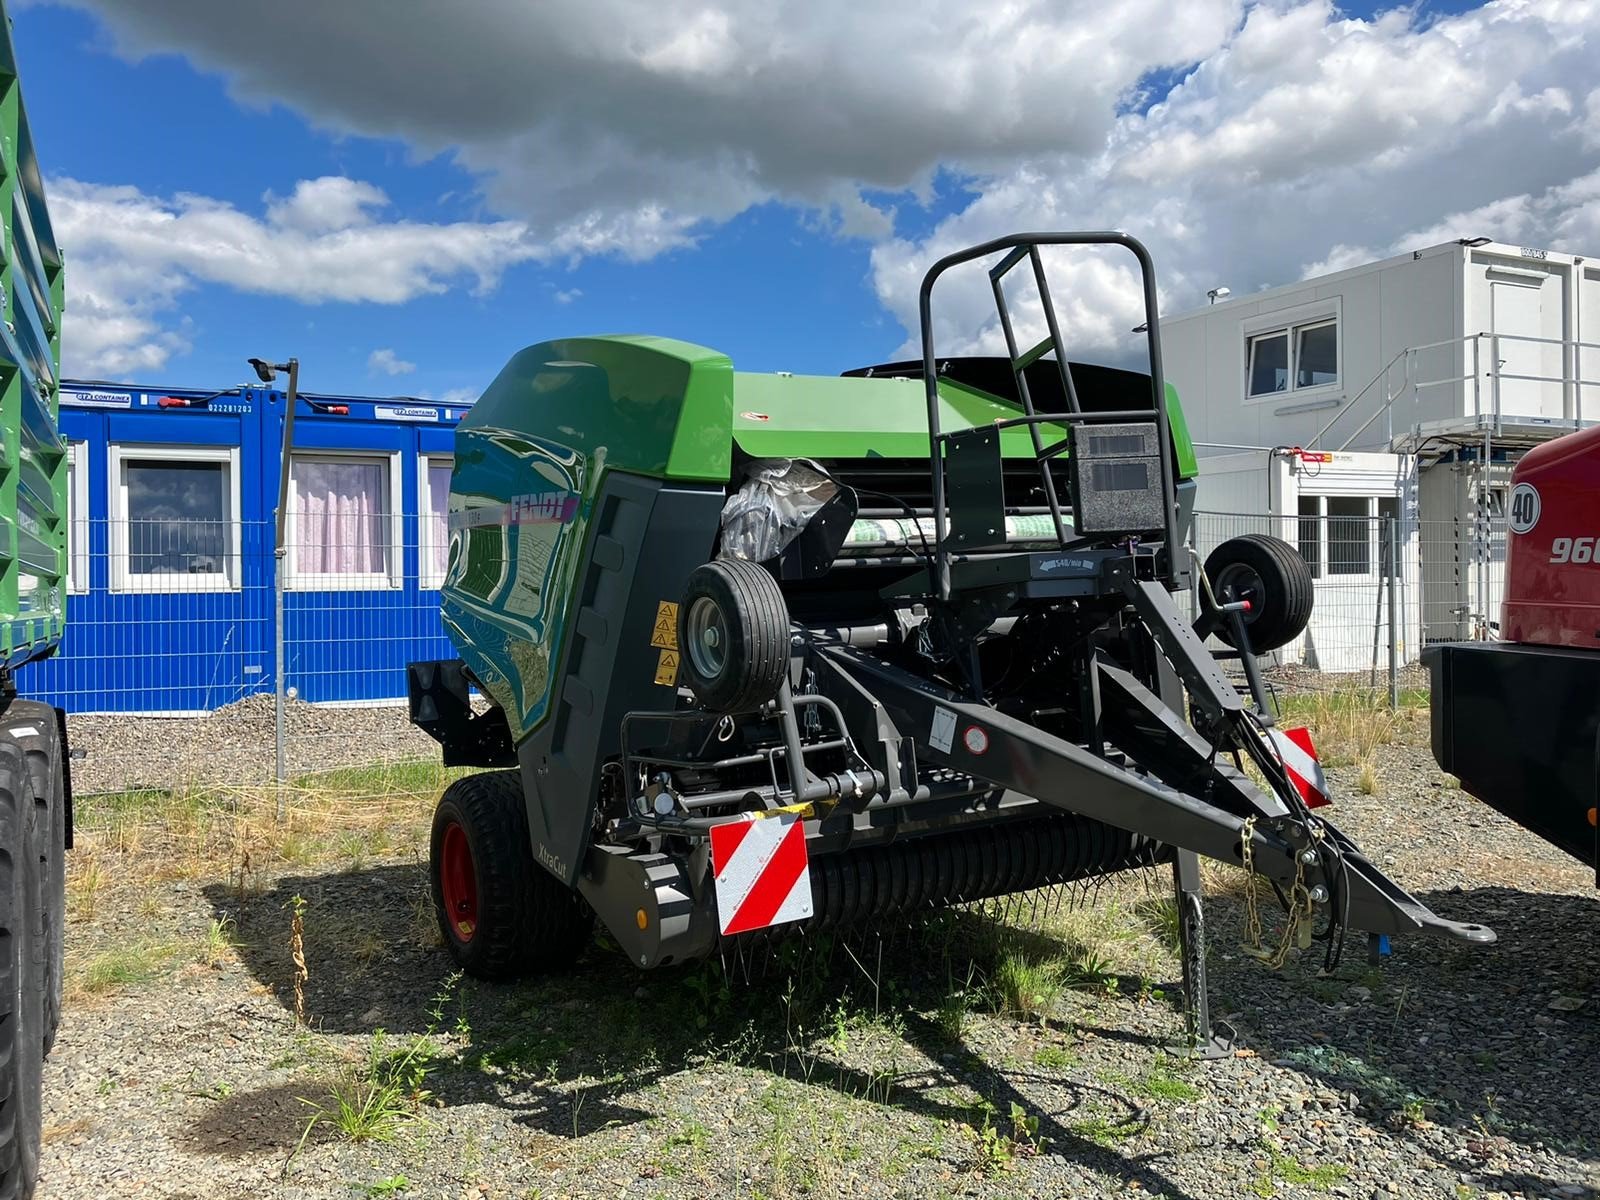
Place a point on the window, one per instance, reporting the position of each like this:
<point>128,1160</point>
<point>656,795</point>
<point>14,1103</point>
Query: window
<point>342,521</point>
<point>1269,363</point>
<point>433,548</point>
<point>77,518</point>
<point>174,518</point>
<point>1310,533</point>
<point>1292,357</point>
<point>1350,535</point>
<point>1346,535</point>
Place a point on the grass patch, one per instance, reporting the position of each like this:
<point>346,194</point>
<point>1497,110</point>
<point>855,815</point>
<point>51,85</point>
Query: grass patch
<point>1055,1058</point>
<point>125,967</point>
<point>1349,724</point>
<point>368,1101</point>
<point>1027,986</point>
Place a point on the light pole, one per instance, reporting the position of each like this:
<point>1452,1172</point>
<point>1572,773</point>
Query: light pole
<point>267,372</point>
<point>1219,293</point>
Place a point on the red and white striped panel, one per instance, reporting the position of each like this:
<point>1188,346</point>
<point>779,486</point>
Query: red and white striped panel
<point>763,876</point>
<point>1300,760</point>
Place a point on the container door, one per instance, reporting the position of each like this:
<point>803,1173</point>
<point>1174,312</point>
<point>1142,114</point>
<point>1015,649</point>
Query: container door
<point>1517,312</point>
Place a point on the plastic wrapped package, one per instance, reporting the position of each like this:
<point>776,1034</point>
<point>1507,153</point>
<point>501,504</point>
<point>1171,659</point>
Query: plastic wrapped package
<point>777,499</point>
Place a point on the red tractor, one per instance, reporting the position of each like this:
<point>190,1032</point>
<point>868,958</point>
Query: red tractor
<point>1518,720</point>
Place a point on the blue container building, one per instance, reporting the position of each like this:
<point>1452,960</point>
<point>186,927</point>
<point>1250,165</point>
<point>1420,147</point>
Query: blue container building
<point>172,493</point>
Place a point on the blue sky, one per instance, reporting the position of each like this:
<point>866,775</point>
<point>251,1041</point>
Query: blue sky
<point>788,252</point>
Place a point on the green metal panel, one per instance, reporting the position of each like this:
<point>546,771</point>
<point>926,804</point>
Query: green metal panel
<point>530,461</point>
<point>33,459</point>
<point>825,416</point>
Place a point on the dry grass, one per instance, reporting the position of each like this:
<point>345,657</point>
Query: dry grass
<point>347,816</point>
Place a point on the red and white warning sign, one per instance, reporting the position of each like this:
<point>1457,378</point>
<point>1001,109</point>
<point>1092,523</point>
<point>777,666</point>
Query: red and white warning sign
<point>762,874</point>
<point>1300,760</point>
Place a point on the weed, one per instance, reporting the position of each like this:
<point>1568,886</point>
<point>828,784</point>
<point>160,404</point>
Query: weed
<point>1103,1129</point>
<point>1091,971</point>
<point>1161,1081</point>
<point>368,1101</point>
<point>1026,986</point>
<point>125,966</point>
<point>218,942</point>
<point>1367,780</point>
<point>1160,915</point>
<point>1290,1170</point>
<point>391,1186</point>
<point>1055,1058</point>
<point>692,1136</point>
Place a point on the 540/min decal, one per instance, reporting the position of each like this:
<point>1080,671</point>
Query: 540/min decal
<point>1574,550</point>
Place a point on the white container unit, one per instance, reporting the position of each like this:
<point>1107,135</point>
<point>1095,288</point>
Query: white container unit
<point>1336,508</point>
<point>1429,348</point>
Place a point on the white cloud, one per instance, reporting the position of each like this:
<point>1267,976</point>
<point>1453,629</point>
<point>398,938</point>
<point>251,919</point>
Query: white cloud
<point>1307,142</point>
<point>1297,138</point>
<point>134,255</point>
<point>460,395</point>
<point>631,123</point>
<point>385,361</point>
<point>568,295</point>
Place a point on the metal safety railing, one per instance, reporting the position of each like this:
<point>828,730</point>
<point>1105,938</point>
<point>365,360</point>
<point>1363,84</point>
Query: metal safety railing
<point>1017,248</point>
<point>1476,364</point>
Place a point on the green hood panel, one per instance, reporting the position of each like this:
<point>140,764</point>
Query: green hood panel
<point>824,416</point>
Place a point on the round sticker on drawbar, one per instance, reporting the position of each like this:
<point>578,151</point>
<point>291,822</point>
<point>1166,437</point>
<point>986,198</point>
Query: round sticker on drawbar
<point>1524,507</point>
<point>975,740</point>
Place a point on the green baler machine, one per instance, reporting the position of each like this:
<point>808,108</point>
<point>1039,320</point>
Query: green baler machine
<point>760,652</point>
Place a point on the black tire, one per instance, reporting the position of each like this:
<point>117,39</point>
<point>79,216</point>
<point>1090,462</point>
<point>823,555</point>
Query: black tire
<point>21,978</point>
<point>34,728</point>
<point>733,636</point>
<point>1271,575</point>
<point>524,920</point>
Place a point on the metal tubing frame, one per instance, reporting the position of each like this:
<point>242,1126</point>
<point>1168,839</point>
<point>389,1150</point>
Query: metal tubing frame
<point>1020,245</point>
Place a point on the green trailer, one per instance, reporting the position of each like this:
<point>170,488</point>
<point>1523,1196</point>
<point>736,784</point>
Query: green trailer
<point>746,654</point>
<point>35,792</point>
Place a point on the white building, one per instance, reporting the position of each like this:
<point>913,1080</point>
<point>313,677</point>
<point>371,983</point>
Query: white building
<point>1463,354</point>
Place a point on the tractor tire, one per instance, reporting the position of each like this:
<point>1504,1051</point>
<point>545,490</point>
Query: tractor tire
<point>21,978</point>
<point>34,728</point>
<point>733,631</point>
<point>502,915</point>
<point>1271,575</point>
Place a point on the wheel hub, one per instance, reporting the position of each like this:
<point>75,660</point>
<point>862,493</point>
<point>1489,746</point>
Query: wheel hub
<point>458,882</point>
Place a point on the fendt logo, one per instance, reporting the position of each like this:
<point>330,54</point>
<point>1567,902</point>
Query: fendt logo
<point>1524,508</point>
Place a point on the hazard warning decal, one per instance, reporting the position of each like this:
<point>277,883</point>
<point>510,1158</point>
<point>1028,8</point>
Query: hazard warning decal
<point>1300,760</point>
<point>664,637</point>
<point>762,873</point>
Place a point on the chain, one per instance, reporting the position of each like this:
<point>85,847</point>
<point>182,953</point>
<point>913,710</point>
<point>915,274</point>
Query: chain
<point>1299,917</point>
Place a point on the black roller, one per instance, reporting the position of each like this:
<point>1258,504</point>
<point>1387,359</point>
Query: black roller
<point>865,886</point>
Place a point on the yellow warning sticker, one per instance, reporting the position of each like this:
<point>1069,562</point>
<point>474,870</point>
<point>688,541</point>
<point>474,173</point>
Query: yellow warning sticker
<point>667,668</point>
<point>665,633</point>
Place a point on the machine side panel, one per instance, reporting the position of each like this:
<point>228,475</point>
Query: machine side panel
<point>647,537</point>
<point>1519,726</point>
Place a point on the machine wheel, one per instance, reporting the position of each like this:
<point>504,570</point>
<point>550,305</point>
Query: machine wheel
<point>733,627</point>
<point>21,977</point>
<point>1271,575</point>
<point>501,914</point>
<point>33,727</point>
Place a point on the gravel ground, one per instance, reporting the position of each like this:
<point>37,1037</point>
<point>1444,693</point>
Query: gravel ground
<point>1451,1072</point>
<point>235,745</point>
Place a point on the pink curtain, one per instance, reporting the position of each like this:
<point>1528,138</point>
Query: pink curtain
<point>438,508</point>
<point>340,522</point>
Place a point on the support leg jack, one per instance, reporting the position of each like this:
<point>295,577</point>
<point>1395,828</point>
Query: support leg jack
<point>1201,1041</point>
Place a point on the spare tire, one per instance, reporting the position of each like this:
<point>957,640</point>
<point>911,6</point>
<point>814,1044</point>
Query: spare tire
<point>1271,576</point>
<point>733,630</point>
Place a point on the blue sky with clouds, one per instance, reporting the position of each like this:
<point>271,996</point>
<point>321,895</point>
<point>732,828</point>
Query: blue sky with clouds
<point>402,204</point>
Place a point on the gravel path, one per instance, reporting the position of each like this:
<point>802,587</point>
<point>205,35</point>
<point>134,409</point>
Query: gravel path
<point>1452,1072</point>
<point>235,745</point>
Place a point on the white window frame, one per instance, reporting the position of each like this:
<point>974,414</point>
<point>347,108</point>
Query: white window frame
<point>1291,322</point>
<point>427,578</point>
<point>77,518</point>
<point>124,580</point>
<point>1323,571</point>
<point>334,581</point>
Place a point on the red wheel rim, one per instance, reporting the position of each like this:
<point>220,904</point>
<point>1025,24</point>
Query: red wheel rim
<point>458,882</point>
